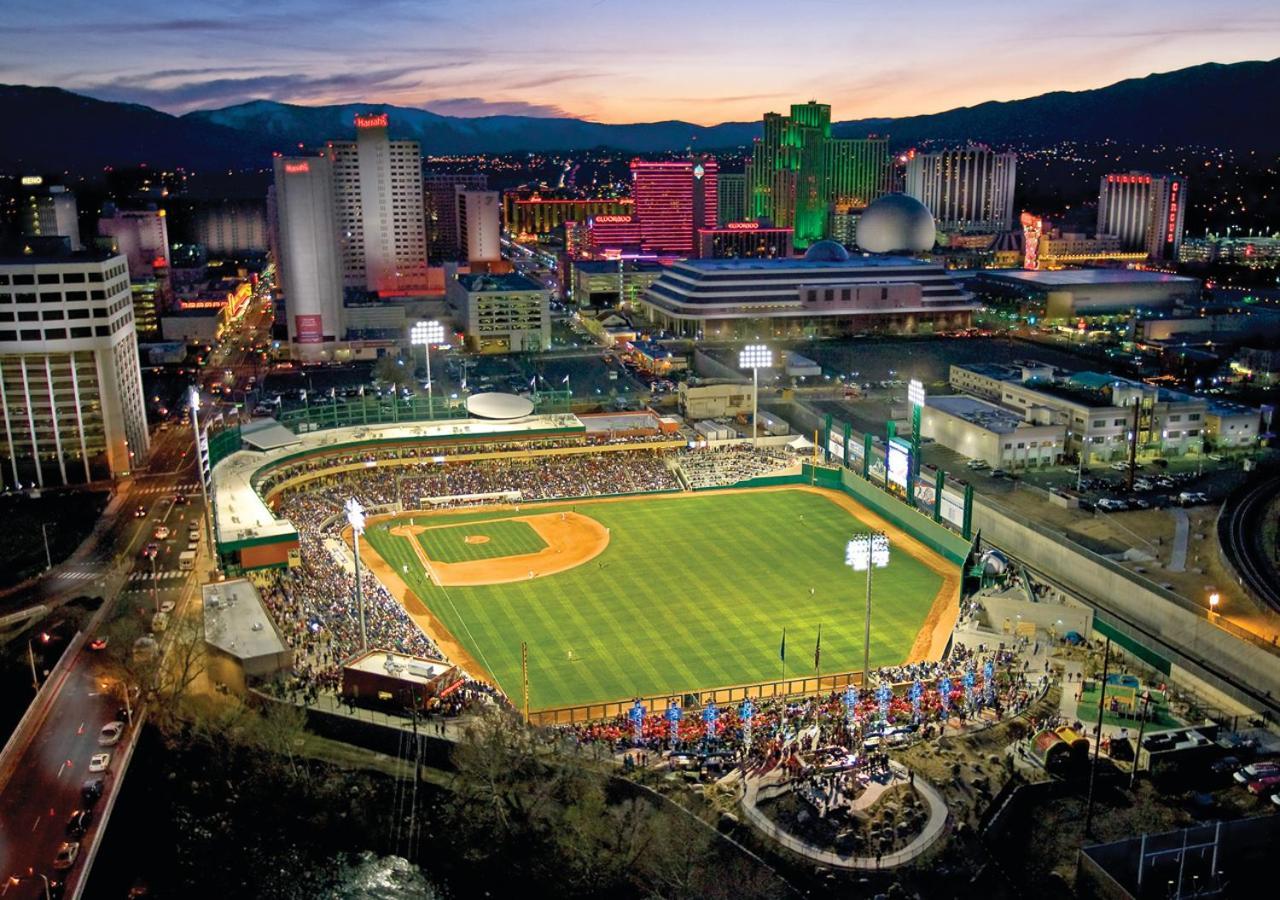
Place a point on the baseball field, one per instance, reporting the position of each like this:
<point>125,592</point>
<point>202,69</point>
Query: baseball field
<point>653,595</point>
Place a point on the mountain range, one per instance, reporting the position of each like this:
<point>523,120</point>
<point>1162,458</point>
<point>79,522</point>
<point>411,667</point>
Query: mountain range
<point>1211,104</point>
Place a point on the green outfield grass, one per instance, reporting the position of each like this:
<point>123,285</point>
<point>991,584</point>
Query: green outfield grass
<point>506,538</point>
<point>692,592</point>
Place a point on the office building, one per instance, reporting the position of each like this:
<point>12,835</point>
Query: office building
<point>967,190</point>
<point>745,240</point>
<point>70,380</point>
<point>382,233</point>
<point>440,190</point>
<point>731,198</point>
<point>1145,211</point>
<point>827,293</point>
<point>479,227</point>
<point>231,227</point>
<point>141,236</point>
<point>505,313</point>
<point>799,175</point>
<point>529,217</point>
<point>309,267</point>
<point>50,212</point>
<point>673,199</point>
<point>1098,411</point>
<point>1003,438</point>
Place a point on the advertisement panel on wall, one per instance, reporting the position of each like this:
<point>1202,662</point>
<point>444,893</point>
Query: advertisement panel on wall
<point>308,329</point>
<point>835,446</point>
<point>953,509</point>
<point>925,494</point>
<point>899,462</point>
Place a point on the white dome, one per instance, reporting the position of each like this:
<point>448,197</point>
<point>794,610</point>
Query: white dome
<point>896,223</point>
<point>493,405</point>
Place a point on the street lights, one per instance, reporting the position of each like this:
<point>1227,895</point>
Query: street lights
<point>425,334</point>
<point>755,357</point>
<point>355,518</point>
<point>867,551</point>
<point>1214,600</point>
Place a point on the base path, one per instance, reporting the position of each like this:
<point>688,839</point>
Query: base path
<point>571,539</point>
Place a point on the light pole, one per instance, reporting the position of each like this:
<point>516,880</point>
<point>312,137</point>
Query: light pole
<point>425,334</point>
<point>355,518</point>
<point>755,357</point>
<point>1214,599</point>
<point>916,396</point>
<point>48,559</point>
<point>867,551</point>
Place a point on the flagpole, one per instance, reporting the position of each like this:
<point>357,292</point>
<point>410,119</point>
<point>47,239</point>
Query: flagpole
<point>783,653</point>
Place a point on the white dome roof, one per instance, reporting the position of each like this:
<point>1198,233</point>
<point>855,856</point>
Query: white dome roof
<point>826,251</point>
<point>499,406</point>
<point>896,223</point>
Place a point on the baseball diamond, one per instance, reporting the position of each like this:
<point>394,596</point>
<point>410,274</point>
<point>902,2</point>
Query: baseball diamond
<point>637,595</point>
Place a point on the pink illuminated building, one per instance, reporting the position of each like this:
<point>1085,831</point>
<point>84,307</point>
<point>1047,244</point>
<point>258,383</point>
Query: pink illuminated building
<point>672,201</point>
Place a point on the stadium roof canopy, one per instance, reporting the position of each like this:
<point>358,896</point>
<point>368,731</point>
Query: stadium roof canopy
<point>267,434</point>
<point>499,406</point>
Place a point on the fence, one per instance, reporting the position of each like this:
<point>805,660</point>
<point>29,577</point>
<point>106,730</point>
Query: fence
<point>803,686</point>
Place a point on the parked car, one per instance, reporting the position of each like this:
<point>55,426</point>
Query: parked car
<point>1109,504</point>
<point>99,762</point>
<point>67,854</point>
<point>1257,770</point>
<point>998,473</point>
<point>1265,785</point>
<point>110,734</point>
<point>977,464</point>
<point>79,821</point>
<point>91,790</point>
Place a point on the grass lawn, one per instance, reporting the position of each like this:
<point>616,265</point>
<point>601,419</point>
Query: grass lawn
<point>506,538</point>
<point>692,592</point>
<point>1087,710</point>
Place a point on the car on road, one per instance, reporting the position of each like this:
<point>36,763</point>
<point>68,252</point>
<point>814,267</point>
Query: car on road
<point>179,499</point>
<point>110,734</point>
<point>140,512</point>
<point>145,649</point>
<point>167,606</point>
<point>67,854</point>
<point>99,762</point>
<point>1192,498</point>
<point>998,473</point>
<point>161,533</point>
<point>98,643</point>
<point>150,551</point>
<point>1120,466</point>
<point>79,821</point>
<point>977,464</point>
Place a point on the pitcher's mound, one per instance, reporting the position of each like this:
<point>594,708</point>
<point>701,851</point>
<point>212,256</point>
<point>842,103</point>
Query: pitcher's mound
<point>476,539</point>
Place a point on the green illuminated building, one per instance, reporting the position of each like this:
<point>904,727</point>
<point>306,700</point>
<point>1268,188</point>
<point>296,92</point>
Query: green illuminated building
<point>799,175</point>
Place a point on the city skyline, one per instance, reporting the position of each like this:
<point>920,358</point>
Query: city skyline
<point>673,62</point>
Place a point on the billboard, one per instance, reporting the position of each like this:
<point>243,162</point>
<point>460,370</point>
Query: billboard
<point>899,462</point>
<point>308,329</point>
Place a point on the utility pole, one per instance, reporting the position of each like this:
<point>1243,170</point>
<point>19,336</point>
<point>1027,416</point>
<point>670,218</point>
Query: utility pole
<point>1097,742</point>
<point>1133,444</point>
<point>1142,724</point>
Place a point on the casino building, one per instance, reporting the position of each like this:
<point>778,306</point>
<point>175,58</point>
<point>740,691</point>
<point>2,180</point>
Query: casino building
<point>826,293</point>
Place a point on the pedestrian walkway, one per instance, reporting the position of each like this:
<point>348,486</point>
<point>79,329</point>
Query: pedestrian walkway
<point>166,575</point>
<point>932,830</point>
<point>1181,533</point>
<point>166,489</point>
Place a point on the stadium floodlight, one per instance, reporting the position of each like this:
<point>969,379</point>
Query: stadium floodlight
<point>867,552</point>
<point>755,357</point>
<point>355,518</point>
<point>425,334</point>
<point>915,392</point>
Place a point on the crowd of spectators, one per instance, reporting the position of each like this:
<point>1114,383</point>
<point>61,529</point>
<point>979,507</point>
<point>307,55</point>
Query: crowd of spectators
<point>722,466</point>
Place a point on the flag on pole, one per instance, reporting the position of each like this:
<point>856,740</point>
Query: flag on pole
<point>565,380</point>
<point>817,649</point>
<point>782,650</point>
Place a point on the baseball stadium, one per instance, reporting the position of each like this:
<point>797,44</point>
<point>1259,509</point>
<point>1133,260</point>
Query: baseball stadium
<point>576,564</point>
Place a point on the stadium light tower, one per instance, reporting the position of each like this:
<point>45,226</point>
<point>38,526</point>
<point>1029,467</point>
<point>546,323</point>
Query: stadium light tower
<point>915,395</point>
<point>425,334</point>
<point>355,518</point>
<point>755,357</point>
<point>867,551</point>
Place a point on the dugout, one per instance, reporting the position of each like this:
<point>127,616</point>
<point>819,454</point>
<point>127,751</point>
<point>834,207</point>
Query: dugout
<point>388,680</point>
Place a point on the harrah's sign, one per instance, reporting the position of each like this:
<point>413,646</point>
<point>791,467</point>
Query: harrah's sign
<point>378,121</point>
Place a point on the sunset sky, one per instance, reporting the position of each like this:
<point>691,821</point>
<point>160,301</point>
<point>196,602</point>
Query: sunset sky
<point>615,61</point>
